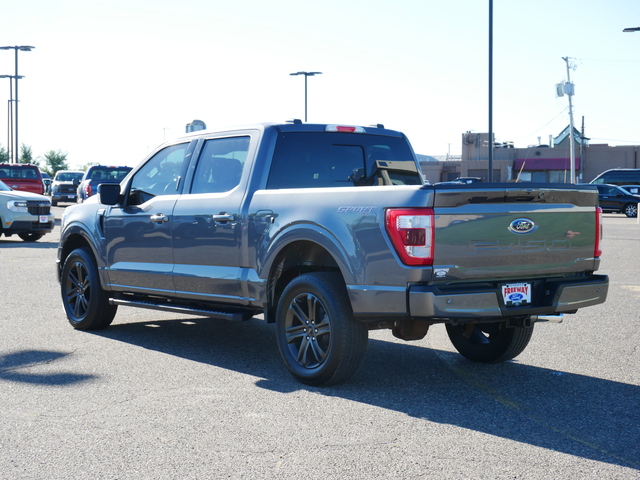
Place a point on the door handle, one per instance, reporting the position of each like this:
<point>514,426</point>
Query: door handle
<point>159,218</point>
<point>223,217</point>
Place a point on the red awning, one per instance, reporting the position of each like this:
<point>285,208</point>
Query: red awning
<point>545,164</point>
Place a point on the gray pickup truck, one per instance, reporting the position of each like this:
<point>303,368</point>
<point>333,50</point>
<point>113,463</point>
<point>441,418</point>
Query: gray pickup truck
<point>328,231</point>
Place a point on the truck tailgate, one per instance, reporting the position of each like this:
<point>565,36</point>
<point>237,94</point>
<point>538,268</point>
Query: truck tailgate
<point>511,231</point>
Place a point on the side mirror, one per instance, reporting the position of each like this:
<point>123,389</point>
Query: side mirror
<point>108,193</point>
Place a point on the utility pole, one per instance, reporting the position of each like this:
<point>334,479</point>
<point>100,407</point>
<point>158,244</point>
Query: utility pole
<point>490,176</point>
<point>569,92</point>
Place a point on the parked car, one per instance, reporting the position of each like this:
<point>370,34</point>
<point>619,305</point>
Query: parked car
<point>617,200</point>
<point>25,177</point>
<point>619,176</point>
<point>97,175</point>
<point>24,213</point>
<point>65,186</point>
<point>632,189</point>
<point>461,180</point>
<point>46,179</point>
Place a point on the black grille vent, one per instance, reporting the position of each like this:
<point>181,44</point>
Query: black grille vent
<point>36,207</point>
<point>66,189</point>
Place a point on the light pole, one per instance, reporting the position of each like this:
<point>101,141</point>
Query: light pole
<point>306,74</point>
<point>10,116</point>
<point>16,48</point>
<point>490,175</point>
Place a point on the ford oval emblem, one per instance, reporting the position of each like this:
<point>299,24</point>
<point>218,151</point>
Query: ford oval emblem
<point>522,226</point>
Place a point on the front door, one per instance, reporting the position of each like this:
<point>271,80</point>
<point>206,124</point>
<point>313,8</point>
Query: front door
<point>139,232</point>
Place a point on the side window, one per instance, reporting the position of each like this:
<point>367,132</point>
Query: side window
<point>220,165</point>
<point>160,175</point>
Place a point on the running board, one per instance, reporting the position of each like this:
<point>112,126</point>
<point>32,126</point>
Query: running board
<point>235,315</point>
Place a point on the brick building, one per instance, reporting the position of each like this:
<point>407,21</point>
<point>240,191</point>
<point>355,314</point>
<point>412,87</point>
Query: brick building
<point>540,163</point>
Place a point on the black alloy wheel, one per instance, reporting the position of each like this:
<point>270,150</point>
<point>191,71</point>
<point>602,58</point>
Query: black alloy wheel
<point>319,340</point>
<point>85,302</point>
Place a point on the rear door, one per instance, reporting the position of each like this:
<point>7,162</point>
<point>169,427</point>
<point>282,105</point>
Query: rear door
<point>207,234</point>
<point>139,233</point>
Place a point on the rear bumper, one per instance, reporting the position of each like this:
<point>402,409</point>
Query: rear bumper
<point>549,297</point>
<point>475,300</point>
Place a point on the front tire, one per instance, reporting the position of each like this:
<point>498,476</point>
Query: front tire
<point>318,338</point>
<point>85,302</point>
<point>489,342</point>
<point>30,237</point>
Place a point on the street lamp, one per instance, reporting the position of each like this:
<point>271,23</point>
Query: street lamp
<point>631,29</point>
<point>306,74</point>
<point>9,115</point>
<point>16,48</point>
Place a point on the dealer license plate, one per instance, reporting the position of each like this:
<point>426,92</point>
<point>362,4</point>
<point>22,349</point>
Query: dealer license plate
<point>515,294</point>
<point>44,219</point>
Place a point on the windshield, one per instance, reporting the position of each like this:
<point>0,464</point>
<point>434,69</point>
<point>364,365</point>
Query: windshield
<point>20,172</point>
<point>3,187</point>
<point>109,173</point>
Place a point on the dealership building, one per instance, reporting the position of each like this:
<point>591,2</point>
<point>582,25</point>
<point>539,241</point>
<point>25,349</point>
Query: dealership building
<point>539,163</point>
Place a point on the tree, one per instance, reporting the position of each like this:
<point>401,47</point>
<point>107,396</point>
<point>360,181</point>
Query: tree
<point>4,155</point>
<point>26,154</point>
<point>86,166</point>
<point>55,161</point>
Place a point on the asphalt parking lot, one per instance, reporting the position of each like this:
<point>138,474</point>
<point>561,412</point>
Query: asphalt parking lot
<point>163,396</point>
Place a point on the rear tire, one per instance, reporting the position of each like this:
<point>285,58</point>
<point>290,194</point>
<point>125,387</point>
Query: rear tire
<point>85,302</point>
<point>631,209</point>
<point>489,342</point>
<point>319,340</point>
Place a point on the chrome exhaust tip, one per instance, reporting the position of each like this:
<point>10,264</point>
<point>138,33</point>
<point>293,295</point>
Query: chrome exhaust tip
<point>548,318</point>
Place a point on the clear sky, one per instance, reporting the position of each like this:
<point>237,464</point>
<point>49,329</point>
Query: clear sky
<point>109,80</point>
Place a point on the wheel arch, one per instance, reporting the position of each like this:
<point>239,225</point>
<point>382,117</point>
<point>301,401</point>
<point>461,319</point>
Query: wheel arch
<point>298,251</point>
<point>73,238</point>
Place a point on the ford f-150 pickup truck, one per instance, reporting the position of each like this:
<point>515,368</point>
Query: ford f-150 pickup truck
<point>328,231</point>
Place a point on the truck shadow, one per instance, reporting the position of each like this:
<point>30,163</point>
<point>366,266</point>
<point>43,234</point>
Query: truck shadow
<point>583,416</point>
<point>16,242</point>
<point>17,367</point>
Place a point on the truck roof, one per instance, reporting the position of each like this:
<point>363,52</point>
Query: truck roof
<point>298,126</point>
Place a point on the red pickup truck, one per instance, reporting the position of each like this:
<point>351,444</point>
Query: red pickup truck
<point>24,177</point>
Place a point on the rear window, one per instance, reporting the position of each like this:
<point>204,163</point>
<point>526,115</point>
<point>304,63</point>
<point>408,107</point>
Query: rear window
<point>15,171</point>
<point>322,159</point>
<point>109,173</point>
<point>68,176</point>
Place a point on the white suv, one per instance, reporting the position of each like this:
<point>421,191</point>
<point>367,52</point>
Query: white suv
<point>27,214</point>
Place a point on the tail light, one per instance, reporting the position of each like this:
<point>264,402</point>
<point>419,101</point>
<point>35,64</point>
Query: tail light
<point>87,190</point>
<point>597,252</point>
<point>411,231</point>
